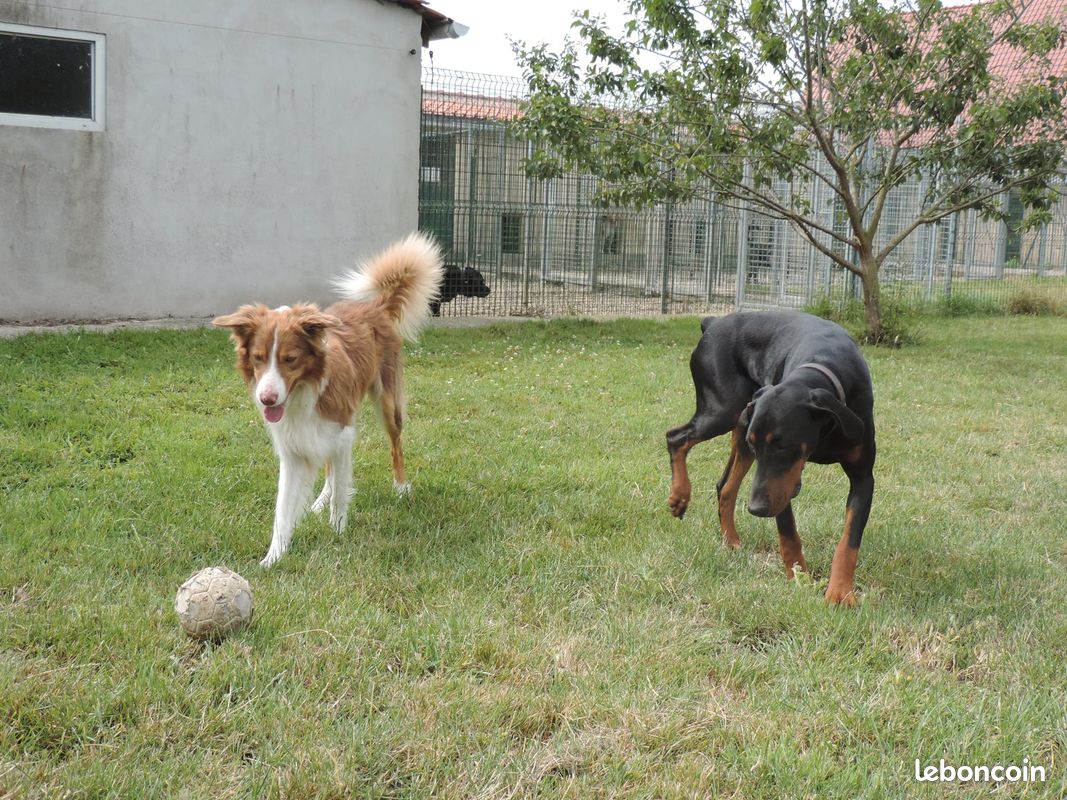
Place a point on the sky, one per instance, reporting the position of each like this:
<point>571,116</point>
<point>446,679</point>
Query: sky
<point>485,47</point>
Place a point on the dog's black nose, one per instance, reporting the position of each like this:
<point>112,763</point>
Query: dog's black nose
<point>759,507</point>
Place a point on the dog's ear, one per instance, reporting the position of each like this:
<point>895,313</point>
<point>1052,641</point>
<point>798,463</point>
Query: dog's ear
<point>313,321</point>
<point>851,426</point>
<point>241,322</point>
<point>746,415</point>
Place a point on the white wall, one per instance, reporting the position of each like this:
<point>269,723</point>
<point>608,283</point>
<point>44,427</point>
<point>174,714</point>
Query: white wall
<point>253,149</point>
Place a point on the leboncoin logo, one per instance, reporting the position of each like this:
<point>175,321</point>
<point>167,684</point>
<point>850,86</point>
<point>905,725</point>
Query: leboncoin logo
<point>979,773</point>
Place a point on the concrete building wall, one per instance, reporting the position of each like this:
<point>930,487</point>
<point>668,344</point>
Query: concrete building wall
<point>252,150</point>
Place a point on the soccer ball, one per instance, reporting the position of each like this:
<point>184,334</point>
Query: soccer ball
<point>214,602</point>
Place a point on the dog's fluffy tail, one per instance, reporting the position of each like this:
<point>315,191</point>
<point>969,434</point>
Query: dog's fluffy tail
<point>404,279</point>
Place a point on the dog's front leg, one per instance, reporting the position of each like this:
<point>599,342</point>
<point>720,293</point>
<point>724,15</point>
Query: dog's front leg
<point>341,480</point>
<point>842,588</point>
<point>295,480</point>
<point>789,542</point>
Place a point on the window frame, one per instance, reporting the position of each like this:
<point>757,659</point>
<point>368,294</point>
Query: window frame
<point>700,239</point>
<point>513,217</point>
<point>93,123</point>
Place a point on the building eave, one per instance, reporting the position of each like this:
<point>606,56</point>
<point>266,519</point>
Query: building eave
<point>435,25</point>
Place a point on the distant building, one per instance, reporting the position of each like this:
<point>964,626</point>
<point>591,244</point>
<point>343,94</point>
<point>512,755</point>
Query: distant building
<point>181,158</point>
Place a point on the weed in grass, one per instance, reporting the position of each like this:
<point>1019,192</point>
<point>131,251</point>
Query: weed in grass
<point>1031,303</point>
<point>959,304</point>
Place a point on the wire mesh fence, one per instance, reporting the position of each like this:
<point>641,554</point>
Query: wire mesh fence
<point>546,248</point>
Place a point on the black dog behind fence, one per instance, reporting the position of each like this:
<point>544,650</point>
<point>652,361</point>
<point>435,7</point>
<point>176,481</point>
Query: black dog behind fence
<point>459,282</point>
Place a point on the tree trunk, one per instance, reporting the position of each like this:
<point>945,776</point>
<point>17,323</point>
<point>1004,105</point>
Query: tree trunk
<point>872,300</point>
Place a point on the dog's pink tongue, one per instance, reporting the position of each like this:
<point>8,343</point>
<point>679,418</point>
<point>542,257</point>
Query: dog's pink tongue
<point>273,413</point>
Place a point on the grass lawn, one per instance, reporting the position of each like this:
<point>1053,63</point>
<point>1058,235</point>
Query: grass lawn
<point>532,622</point>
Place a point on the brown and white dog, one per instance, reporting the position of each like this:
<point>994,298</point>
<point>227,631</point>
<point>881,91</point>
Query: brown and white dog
<point>309,371</point>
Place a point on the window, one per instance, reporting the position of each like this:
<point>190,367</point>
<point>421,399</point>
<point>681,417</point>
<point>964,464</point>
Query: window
<point>700,239</point>
<point>51,78</point>
<point>894,210</point>
<point>511,233</point>
<point>946,239</point>
<point>1013,248</point>
<point>842,227</point>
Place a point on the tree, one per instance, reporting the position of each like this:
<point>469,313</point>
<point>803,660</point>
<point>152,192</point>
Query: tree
<point>757,102</point>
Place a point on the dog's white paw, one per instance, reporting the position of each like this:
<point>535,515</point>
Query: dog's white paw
<point>402,489</point>
<point>271,558</point>
<point>338,522</point>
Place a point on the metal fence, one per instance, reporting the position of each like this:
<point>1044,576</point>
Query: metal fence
<point>546,249</point>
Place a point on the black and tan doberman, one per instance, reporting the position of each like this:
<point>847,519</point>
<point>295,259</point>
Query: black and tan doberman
<point>790,388</point>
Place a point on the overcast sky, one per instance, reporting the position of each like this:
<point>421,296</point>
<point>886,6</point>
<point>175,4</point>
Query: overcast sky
<point>485,48</point>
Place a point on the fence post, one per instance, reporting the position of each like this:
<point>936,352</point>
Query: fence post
<point>1042,251</point>
<point>781,252</point>
<point>972,243</point>
<point>472,193</point>
<point>742,246</point>
<point>809,288</point>
<point>594,251</point>
<point>668,247</point>
<point>546,239</point>
<point>831,223</point>
<point>950,262</point>
<point>527,231</point>
<point>503,201</point>
<point>1002,240</point>
<point>709,228</point>
<point>931,235</point>
<point>720,243</point>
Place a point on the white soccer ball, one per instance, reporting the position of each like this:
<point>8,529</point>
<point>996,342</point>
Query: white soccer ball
<point>214,602</point>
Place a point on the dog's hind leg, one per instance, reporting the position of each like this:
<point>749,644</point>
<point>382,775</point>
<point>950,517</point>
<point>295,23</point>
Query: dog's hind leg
<point>391,408</point>
<point>680,441</point>
<point>729,484</point>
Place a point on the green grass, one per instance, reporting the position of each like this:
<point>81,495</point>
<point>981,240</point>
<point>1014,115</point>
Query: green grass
<point>532,622</point>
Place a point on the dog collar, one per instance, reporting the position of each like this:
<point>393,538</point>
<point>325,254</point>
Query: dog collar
<point>829,374</point>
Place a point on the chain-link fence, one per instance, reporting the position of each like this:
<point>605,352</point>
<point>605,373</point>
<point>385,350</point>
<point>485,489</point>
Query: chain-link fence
<point>544,248</point>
